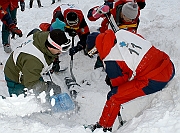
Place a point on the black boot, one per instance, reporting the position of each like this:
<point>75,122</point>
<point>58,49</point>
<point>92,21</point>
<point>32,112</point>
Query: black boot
<point>53,1</point>
<point>39,3</point>
<point>30,3</point>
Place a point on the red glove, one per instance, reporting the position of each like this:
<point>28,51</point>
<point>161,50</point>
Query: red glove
<point>15,30</point>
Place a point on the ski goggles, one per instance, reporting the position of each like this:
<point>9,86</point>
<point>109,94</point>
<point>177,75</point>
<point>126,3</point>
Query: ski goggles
<point>72,23</point>
<point>63,47</point>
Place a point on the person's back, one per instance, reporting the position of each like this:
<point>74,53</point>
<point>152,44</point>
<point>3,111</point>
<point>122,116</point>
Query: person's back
<point>134,68</point>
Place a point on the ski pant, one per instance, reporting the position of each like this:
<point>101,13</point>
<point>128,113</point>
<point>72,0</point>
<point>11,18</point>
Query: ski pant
<point>130,90</point>
<point>5,30</point>
<point>16,88</point>
<point>31,3</point>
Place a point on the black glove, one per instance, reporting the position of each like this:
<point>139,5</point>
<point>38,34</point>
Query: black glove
<point>74,50</point>
<point>22,4</point>
<point>141,4</point>
<point>71,32</point>
<point>108,82</point>
<point>56,88</point>
<point>56,66</point>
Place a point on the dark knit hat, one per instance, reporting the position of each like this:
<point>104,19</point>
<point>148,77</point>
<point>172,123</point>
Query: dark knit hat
<point>91,39</point>
<point>130,10</point>
<point>57,38</point>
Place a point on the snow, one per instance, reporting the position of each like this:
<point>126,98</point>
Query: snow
<point>156,113</point>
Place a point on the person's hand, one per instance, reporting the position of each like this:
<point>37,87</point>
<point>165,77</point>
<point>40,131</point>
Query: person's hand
<point>97,12</point>
<point>56,88</point>
<point>103,9</point>
<point>75,49</point>
<point>71,32</point>
<point>55,67</point>
<point>15,30</point>
<point>141,4</point>
<point>22,4</point>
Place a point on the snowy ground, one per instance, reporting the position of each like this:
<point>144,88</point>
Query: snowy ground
<point>156,113</point>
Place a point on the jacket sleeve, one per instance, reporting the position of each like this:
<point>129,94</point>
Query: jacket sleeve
<point>5,17</point>
<point>90,15</point>
<point>57,14</point>
<point>118,72</point>
<point>38,87</point>
<point>83,32</point>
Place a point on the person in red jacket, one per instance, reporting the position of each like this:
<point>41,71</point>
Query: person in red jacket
<point>141,3</point>
<point>134,68</point>
<point>75,24</point>
<point>124,15</point>
<point>10,6</point>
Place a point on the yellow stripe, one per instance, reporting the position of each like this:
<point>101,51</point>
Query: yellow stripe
<point>127,26</point>
<point>69,27</point>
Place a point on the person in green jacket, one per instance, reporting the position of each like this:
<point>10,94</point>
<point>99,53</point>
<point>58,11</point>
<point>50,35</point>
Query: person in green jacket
<point>25,66</point>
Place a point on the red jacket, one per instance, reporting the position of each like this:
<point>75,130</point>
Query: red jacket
<point>135,68</point>
<point>81,28</point>
<point>151,63</point>
<point>122,0</point>
<point>13,4</point>
<point>130,26</point>
<point>5,17</point>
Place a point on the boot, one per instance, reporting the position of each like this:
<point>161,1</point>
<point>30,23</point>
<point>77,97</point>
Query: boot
<point>39,3</point>
<point>53,1</point>
<point>30,3</point>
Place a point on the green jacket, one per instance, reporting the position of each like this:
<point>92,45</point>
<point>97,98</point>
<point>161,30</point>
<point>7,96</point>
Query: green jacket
<point>30,66</point>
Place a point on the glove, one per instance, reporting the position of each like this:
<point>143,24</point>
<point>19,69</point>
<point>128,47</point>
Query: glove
<point>75,49</point>
<point>108,82</point>
<point>56,88</point>
<point>71,32</point>
<point>141,4</point>
<point>22,4</point>
<point>56,66</point>
<point>97,12</point>
<point>15,30</point>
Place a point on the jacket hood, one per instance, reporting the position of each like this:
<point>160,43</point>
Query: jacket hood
<point>39,41</point>
<point>104,43</point>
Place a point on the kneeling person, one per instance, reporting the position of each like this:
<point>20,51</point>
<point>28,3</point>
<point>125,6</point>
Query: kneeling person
<point>26,64</point>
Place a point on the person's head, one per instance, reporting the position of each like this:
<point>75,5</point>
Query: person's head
<point>57,42</point>
<point>129,11</point>
<point>90,44</point>
<point>58,24</point>
<point>72,18</point>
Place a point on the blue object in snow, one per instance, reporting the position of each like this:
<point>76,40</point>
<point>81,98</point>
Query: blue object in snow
<point>62,102</point>
<point>58,24</point>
